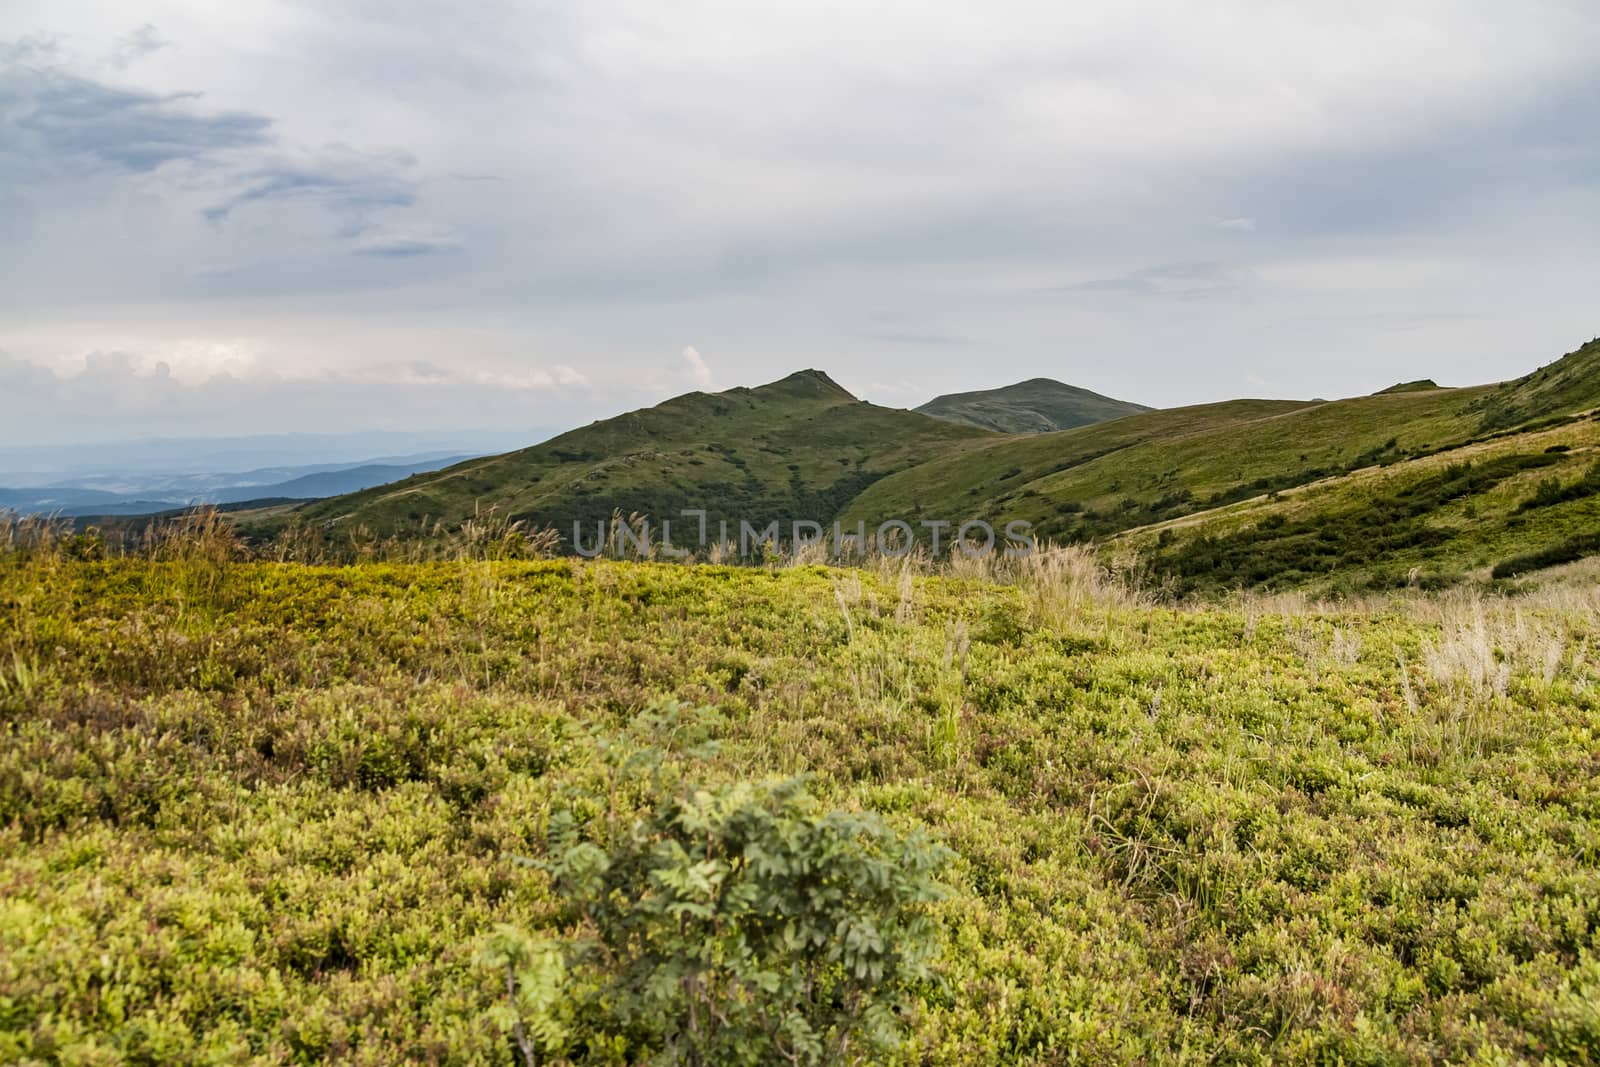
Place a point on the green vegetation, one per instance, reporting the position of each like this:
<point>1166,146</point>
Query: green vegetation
<point>799,448</point>
<point>1568,551</point>
<point>1093,482</point>
<point>1553,491</point>
<point>1336,543</point>
<point>258,812</point>
<point>735,925</point>
<point>1006,471</point>
<point>455,802</point>
<point>1346,477</point>
<point>1570,384</point>
<point>1038,405</point>
<point>1494,509</point>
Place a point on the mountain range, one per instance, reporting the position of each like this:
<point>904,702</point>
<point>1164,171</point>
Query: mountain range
<point>798,448</point>
<point>1439,476</point>
<point>1415,484</point>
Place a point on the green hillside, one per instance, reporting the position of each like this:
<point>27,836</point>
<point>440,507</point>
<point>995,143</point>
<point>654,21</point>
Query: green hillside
<point>1038,405</point>
<point>803,448</point>
<point>1096,482</point>
<point>1497,508</point>
<point>799,448</point>
<point>1500,503</point>
<point>1099,480</point>
<point>1571,383</point>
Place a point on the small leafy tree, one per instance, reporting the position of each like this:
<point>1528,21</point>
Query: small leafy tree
<point>729,925</point>
<point>535,1013</point>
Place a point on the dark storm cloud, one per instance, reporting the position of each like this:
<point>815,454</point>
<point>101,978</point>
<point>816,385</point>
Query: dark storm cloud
<point>64,127</point>
<point>340,178</point>
<point>60,122</point>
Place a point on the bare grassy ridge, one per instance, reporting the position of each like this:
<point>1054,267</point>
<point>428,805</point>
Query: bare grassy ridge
<point>265,812</point>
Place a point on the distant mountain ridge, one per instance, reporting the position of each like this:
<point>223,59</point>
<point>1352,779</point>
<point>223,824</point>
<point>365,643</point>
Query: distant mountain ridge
<point>1417,483</point>
<point>799,448</point>
<point>73,501</point>
<point>1424,484</point>
<point>1038,405</point>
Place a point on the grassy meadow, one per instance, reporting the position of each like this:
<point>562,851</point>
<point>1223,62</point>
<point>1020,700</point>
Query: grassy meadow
<point>269,812</point>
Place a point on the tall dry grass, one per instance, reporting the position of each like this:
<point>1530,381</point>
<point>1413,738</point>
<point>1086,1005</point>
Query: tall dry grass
<point>1060,580</point>
<point>207,535</point>
<point>32,536</point>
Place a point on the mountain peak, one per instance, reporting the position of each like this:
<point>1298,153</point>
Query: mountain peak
<point>805,383</point>
<point>1419,386</point>
<point>1037,405</point>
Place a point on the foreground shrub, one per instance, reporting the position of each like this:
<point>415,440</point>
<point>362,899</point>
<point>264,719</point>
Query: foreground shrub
<point>732,925</point>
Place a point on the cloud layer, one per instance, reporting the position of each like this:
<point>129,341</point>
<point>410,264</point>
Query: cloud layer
<point>112,395</point>
<point>1159,200</point>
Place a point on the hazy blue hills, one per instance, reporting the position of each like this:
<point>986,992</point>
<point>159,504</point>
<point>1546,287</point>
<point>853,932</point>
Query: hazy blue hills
<point>76,500</point>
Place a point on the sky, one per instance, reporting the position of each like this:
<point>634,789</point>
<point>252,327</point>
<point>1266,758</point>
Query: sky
<point>345,215</point>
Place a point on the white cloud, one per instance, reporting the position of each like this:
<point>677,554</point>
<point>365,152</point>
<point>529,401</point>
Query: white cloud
<point>699,373</point>
<point>403,242</point>
<point>538,378</point>
<point>1238,224</point>
<point>104,395</point>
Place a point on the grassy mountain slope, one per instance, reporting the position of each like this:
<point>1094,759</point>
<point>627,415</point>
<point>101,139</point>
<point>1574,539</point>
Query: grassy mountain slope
<point>998,468</point>
<point>1493,508</point>
<point>1099,480</point>
<point>1570,384</point>
<point>1499,503</point>
<point>1038,405</point>
<point>799,448</point>
<point>803,448</point>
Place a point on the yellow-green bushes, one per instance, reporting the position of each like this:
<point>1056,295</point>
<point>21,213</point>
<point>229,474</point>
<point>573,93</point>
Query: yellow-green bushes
<point>279,826</point>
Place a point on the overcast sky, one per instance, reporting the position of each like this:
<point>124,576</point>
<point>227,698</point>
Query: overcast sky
<point>249,217</point>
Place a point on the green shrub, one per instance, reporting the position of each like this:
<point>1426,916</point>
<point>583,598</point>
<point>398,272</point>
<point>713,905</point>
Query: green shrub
<point>735,924</point>
<point>1568,551</point>
<point>1551,491</point>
